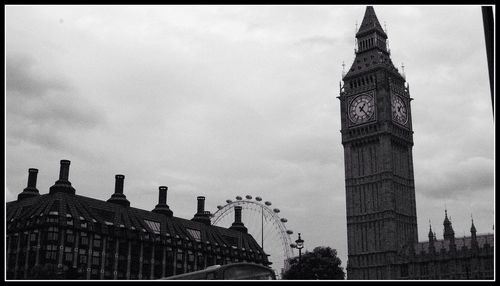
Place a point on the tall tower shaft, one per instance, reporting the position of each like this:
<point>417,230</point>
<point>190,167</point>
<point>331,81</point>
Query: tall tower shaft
<point>378,139</point>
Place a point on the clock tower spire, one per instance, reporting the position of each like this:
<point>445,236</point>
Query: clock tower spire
<point>378,139</point>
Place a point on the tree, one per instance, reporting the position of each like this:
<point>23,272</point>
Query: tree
<point>320,264</point>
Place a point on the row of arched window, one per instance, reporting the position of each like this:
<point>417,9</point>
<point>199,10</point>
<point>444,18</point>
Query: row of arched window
<point>362,81</point>
<point>371,42</point>
<point>367,43</point>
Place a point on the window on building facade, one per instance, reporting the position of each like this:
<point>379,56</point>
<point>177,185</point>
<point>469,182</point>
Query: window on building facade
<point>97,241</point>
<point>169,262</point>
<point>96,258</point>
<point>196,234</point>
<point>158,259</point>
<point>219,260</point>
<point>33,238</point>
<point>68,254</point>
<point>146,263</point>
<point>153,225</point>
<point>135,256</point>
<point>53,233</point>
<point>53,219</point>
<point>51,252</point>
<point>70,237</point>
<point>84,240</point>
<point>110,254</point>
<point>179,262</point>
<point>82,256</point>
<point>190,261</point>
<point>122,254</point>
<point>200,261</point>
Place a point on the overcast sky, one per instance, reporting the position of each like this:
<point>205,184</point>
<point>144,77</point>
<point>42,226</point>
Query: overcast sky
<point>223,101</point>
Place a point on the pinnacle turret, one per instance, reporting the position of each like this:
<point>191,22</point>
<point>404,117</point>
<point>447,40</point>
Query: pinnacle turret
<point>449,233</point>
<point>473,227</point>
<point>431,234</point>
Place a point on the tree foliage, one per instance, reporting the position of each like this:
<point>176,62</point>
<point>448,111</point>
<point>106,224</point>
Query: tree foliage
<point>322,264</point>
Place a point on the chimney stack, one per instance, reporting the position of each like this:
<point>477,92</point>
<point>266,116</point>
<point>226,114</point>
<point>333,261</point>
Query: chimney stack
<point>64,170</point>
<point>162,207</point>
<point>237,214</point>
<point>119,184</point>
<point>30,190</point>
<point>63,184</point>
<point>237,224</point>
<point>201,204</point>
<point>118,197</point>
<point>202,215</point>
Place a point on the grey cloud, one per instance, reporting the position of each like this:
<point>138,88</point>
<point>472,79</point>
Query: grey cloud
<point>300,149</point>
<point>43,106</point>
<point>22,77</point>
<point>317,41</point>
<point>471,177</point>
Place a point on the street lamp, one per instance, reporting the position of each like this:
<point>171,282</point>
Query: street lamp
<point>299,244</point>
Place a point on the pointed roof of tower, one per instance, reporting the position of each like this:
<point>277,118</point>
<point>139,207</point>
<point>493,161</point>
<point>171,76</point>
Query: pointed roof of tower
<point>446,220</point>
<point>472,228</point>
<point>377,56</point>
<point>370,23</point>
<point>431,234</point>
<point>449,233</point>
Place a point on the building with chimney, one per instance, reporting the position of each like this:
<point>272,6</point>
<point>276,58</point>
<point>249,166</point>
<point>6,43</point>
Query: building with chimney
<point>63,235</point>
<point>377,136</point>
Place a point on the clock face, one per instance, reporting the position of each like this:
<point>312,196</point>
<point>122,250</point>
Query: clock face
<point>399,112</point>
<point>361,109</point>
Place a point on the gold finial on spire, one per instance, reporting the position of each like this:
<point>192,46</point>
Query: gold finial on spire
<point>403,70</point>
<point>343,69</point>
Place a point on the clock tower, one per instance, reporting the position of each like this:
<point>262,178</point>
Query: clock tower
<point>378,139</point>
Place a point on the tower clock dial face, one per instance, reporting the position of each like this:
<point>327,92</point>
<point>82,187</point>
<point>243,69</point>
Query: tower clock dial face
<point>361,109</point>
<point>399,112</point>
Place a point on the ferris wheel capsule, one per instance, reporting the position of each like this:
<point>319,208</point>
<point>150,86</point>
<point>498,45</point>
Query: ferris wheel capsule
<point>268,203</point>
<point>229,201</point>
<point>289,231</point>
<point>249,197</point>
<point>283,220</point>
<point>238,198</point>
<point>258,199</point>
<point>219,207</point>
<point>276,210</point>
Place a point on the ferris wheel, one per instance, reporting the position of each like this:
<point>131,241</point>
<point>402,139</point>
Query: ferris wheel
<point>264,224</point>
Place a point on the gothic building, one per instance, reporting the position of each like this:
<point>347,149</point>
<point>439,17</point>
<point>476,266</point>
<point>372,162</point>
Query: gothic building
<point>62,235</point>
<point>448,258</point>
<point>377,135</point>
